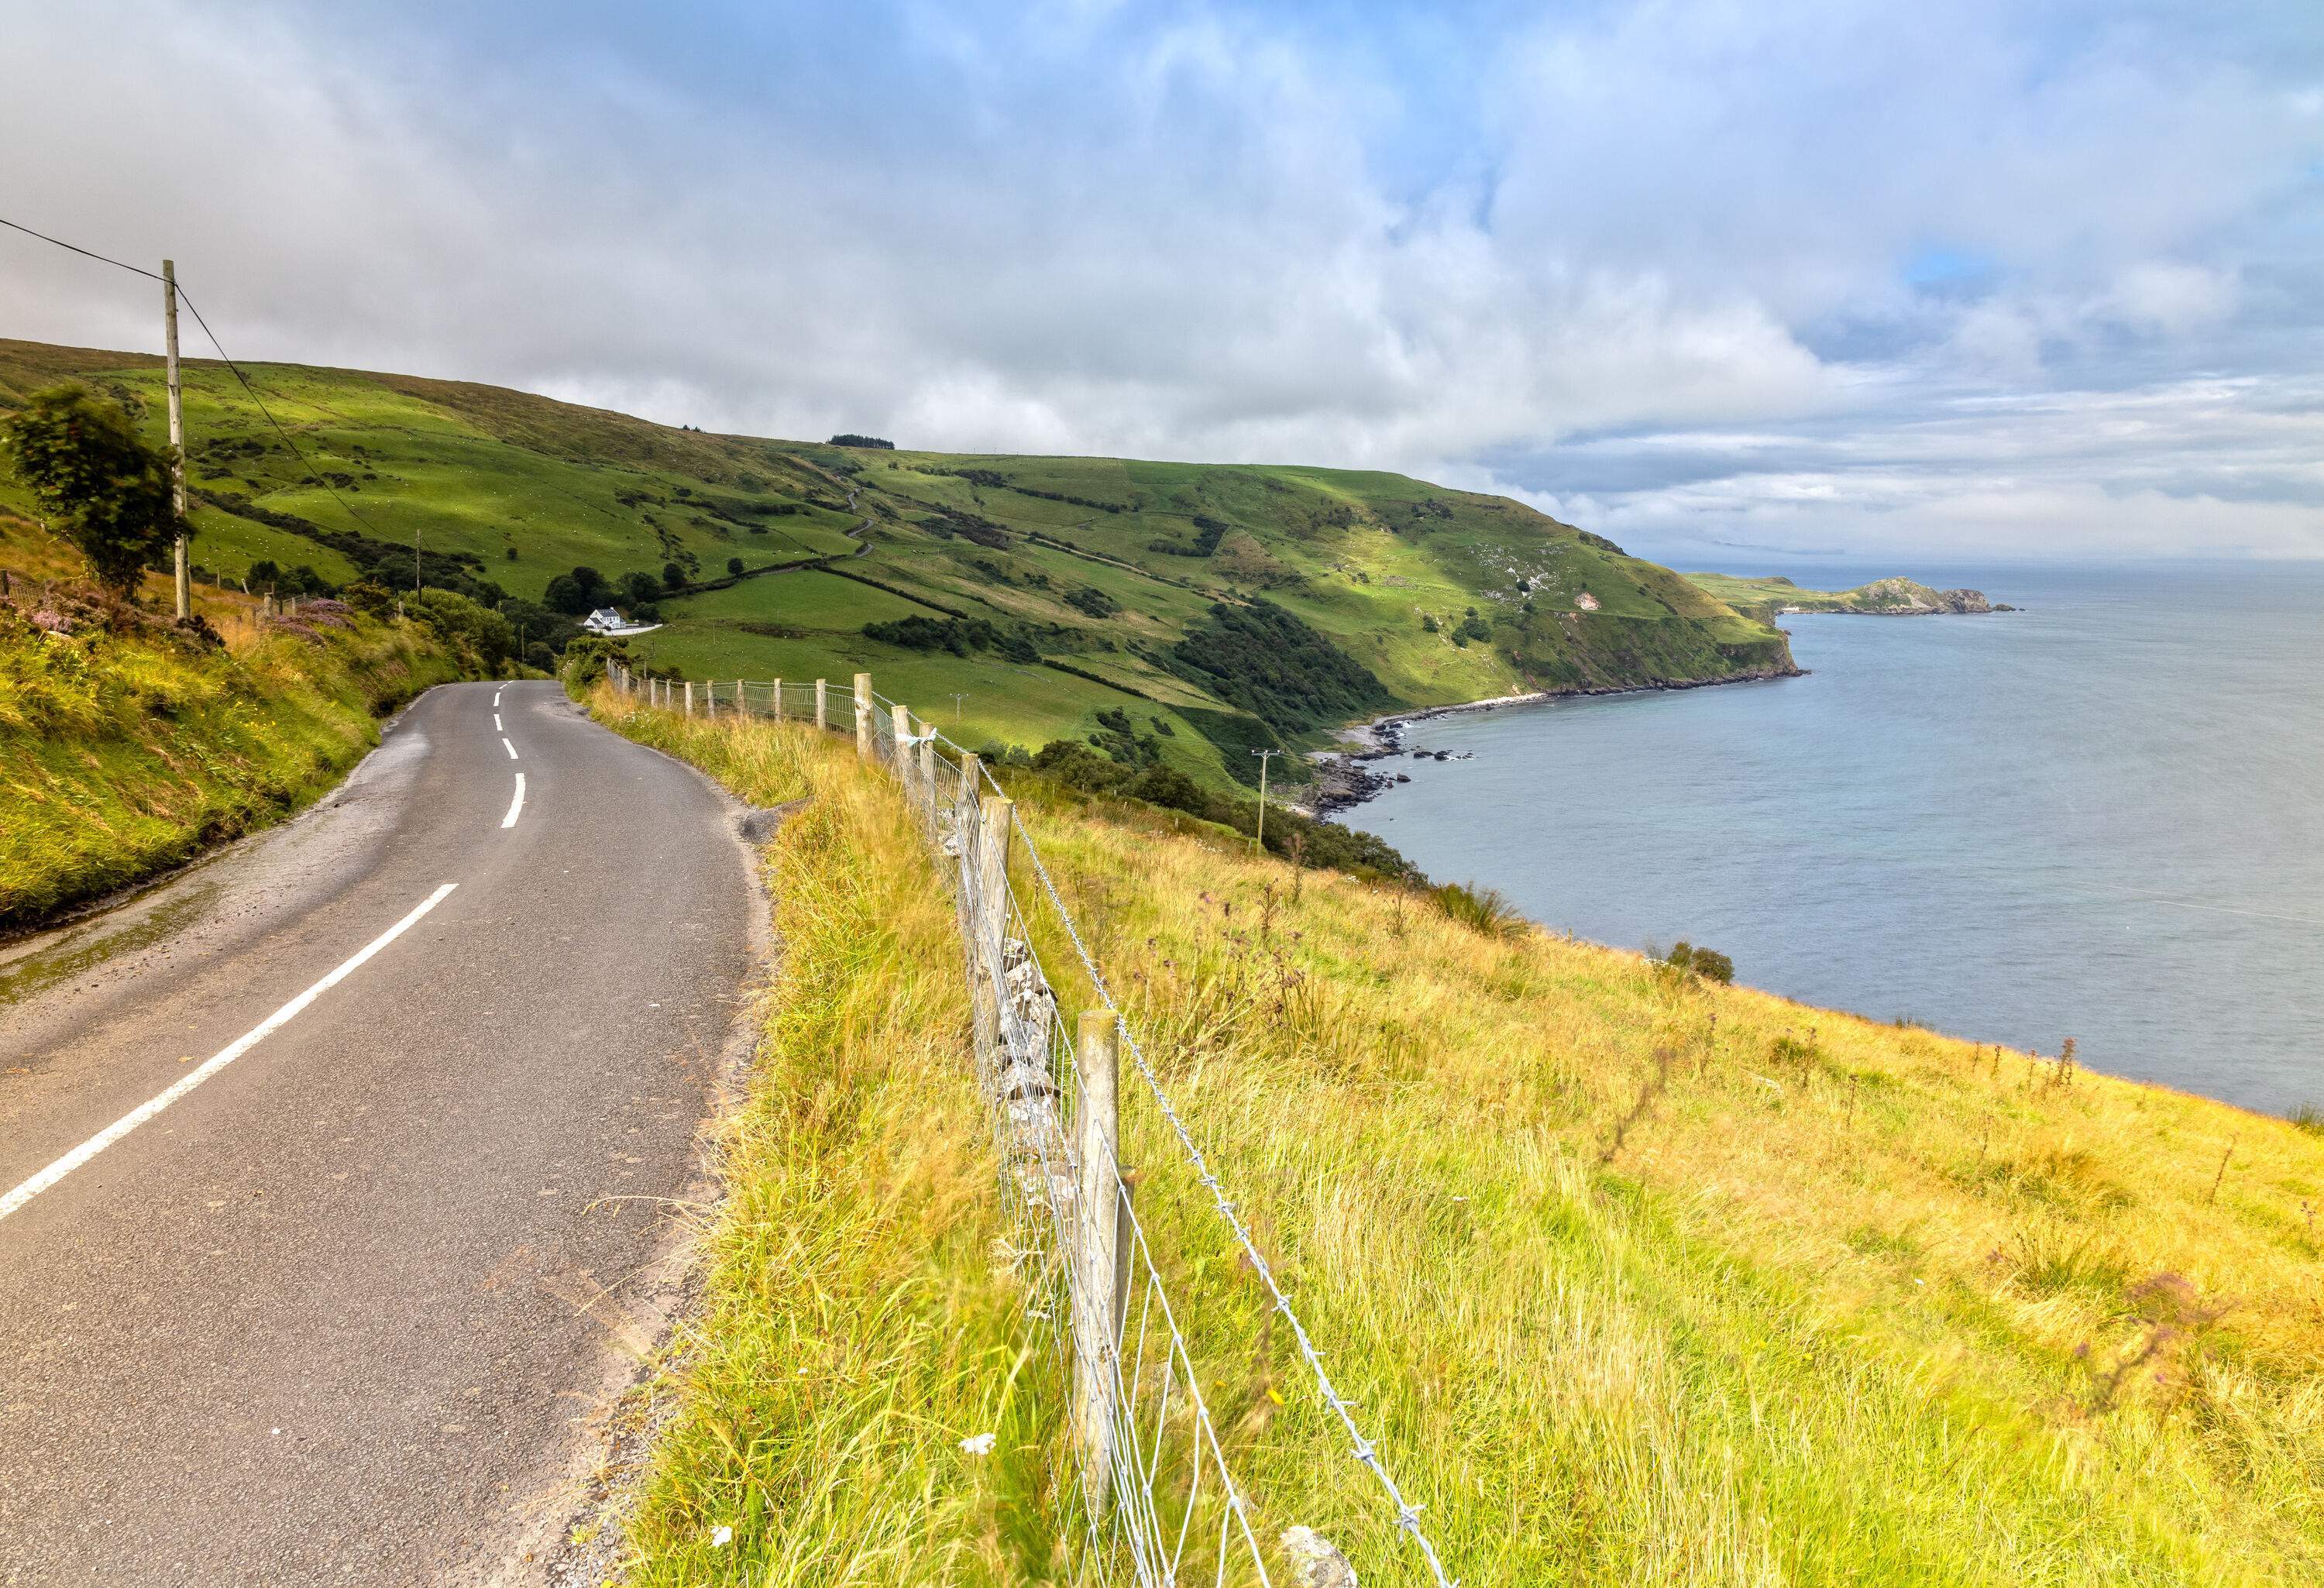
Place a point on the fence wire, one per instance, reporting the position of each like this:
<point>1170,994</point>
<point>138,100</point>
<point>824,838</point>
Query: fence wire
<point>1149,1489</point>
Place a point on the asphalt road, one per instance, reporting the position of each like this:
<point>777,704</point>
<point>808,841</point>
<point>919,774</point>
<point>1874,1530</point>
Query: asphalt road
<point>349,1307</point>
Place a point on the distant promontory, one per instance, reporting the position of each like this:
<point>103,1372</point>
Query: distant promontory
<point>1774,596</point>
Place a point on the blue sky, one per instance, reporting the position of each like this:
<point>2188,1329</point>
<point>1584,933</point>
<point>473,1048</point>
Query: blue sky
<point>1725,281</point>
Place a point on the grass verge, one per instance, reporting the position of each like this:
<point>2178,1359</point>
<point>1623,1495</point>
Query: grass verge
<point>125,749</point>
<point>1635,1279</point>
<point>857,1323</point>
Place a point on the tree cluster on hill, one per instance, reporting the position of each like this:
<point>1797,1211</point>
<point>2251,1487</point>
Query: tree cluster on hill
<point>1270,664</point>
<point>105,490</point>
<point>969,526</point>
<point>850,439</point>
<point>961,636</point>
<point>1209,533</point>
<point>585,589</point>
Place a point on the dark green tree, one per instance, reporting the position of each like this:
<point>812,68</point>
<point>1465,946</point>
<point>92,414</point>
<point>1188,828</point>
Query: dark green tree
<point>103,489</point>
<point>734,566</point>
<point>566,595</point>
<point>673,574</point>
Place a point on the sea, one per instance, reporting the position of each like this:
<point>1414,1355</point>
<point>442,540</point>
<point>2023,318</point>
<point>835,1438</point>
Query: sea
<point>2098,818</point>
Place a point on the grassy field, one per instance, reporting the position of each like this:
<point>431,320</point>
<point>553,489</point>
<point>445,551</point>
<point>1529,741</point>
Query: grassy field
<point>1109,568</point>
<point>1636,1278</point>
<point>124,751</point>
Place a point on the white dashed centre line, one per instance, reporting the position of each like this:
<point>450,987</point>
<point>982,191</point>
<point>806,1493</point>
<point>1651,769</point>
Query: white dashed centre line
<point>516,806</point>
<point>510,748</point>
<point>496,722</point>
<point>224,1056</point>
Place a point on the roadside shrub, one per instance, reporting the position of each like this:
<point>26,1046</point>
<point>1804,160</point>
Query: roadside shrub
<point>1167,786</point>
<point>480,637</point>
<point>587,658</point>
<point>1479,908</point>
<point>2308,1118</point>
<point>1707,962</point>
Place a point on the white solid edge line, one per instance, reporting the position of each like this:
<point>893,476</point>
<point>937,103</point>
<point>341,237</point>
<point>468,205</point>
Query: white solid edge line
<point>510,748</point>
<point>516,806</point>
<point>226,1055</point>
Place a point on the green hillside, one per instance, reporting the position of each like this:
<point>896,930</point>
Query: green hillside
<point>1205,609</point>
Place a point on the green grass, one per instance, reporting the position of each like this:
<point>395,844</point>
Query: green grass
<point>125,750</point>
<point>1634,1278</point>
<point>532,488</point>
<point>855,1326</point>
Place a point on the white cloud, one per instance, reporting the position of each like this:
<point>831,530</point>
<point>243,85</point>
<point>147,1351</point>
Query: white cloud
<point>1676,236</point>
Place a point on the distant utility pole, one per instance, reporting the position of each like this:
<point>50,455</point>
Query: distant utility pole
<point>1259,840</point>
<point>176,437</point>
<point>416,575</point>
<point>956,709</point>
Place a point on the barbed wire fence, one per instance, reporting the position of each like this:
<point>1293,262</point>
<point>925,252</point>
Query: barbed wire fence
<point>1150,1492</point>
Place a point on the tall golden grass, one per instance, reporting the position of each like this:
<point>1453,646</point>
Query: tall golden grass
<point>1635,1280</point>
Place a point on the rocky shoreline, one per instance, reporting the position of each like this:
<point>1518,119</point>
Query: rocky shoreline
<point>1346,779</point>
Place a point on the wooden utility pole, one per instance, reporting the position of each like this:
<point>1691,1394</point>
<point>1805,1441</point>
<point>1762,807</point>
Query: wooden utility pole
<point>1097,1130</point>
<point>1259,841</point>
<point>176,437</point>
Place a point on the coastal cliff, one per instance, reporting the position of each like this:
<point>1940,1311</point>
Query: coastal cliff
<point>1774,596</point>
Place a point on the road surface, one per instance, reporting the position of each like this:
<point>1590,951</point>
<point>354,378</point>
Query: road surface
<point>338,1177</point>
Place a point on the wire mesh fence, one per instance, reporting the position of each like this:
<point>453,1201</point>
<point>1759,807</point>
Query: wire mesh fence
<point>1151,1495</point>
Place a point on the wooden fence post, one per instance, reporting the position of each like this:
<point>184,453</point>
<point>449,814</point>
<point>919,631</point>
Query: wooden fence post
<point>1097,1130</point>
<point>689,696</point>
<point>778,700</point>
<point>905,765</point>
<point>822,720</point>
<point>928,772</point>
<point>863,716</point>
<point>997,818</point>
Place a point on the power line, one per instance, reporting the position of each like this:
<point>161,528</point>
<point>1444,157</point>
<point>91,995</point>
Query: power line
<point>75,249</point>
<point>313,474</point>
